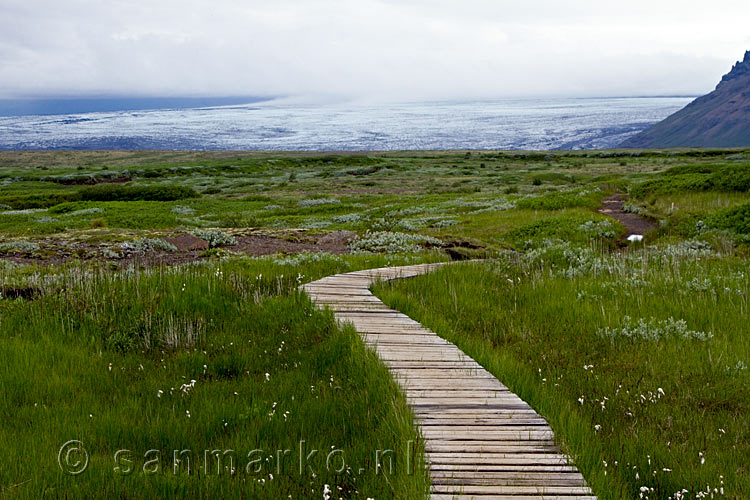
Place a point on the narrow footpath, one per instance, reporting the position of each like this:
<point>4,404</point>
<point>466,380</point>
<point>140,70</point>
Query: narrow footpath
<point>482,441</point>
<point>614,205</point>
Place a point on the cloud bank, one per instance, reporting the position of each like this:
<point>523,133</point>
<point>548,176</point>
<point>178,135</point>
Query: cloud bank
<point>374,49</point>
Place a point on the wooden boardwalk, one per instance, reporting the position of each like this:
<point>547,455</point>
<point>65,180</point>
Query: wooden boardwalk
<point>482,441</point>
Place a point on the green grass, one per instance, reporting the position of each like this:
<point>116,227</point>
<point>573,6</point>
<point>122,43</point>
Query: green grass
<point>543,305</point>
<point>695,202</point>
<point>735,219</point>
<point>237,188</point>
<point>695,178</point>
<point>635,411</point>
<point>102,192</point>
<point>109,358</point>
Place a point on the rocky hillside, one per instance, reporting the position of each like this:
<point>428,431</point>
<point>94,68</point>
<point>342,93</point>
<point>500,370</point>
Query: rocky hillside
<point>718,119</point>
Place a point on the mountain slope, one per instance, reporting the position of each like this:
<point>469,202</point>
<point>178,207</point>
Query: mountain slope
<point>718,119</point>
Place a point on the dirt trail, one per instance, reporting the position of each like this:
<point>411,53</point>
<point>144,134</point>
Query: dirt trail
<point>612,206</point>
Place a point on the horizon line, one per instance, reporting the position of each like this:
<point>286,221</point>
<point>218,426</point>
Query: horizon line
<point>101,103</point>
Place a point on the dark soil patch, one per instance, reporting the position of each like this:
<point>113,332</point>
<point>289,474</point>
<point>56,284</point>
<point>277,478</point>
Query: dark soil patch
<point>27,292</point>
<point>88,180</point>
<point>185,242</point>
<point>459,249</point>
<point>335,242</point>
<point>634,224</point>
<point>337,239</point>
<point>191,249</point>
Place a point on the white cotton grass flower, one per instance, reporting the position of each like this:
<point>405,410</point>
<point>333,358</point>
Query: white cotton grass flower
<point>185,388</point>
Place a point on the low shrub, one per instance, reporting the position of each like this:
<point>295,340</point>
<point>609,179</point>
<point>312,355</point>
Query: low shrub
<point>559,200</point>
<point>316,202</point>
<point>575,228</point>
<point>84,211</point>
<point>653,330</point>
<point>364,170</point>
<point>18,247</point>
<point>735,219</point>
<point>444,223</point>
<point>148,245</point>
<point>552,178</point>
<point>348,218</point>
<point>392,242</point>
<point>118,192</point>
<point>696,178</point>
<point>182,210</point>
<point>33,201</point>
<point>215,237</point>
<point>100,192</point>
<point>601,229</point>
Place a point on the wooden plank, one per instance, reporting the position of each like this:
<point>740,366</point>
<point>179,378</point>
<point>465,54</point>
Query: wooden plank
<point>481,440</point>
<point>436,369</point>
<point>440,370</point>
<point>424,384</point>
<point>461,392</point>
<point>471,447</point>
<point>512,490</point>
<point>519,460</point>
<point>504,423</point>
<point>520,469</point>
<point>474,412</point>
<point>547,479</point>
<point>439,496</point>
<point>402,340</point>
<point>488,435</point>
<point>428,384</point>
<point>473,403</point>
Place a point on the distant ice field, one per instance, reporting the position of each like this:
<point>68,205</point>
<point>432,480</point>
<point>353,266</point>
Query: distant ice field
<point>535,124</point>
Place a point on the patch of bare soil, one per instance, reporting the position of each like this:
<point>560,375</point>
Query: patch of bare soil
<point>186,242</point>
<point>256,244</point>
<point>612,206</point>
<point>190,249</point>
<point>26,292</point>
<point>86,180</point>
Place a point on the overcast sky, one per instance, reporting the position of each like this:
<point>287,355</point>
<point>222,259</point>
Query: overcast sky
<point>390,49</point>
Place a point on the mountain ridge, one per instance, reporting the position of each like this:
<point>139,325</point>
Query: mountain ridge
<point>718,119</point>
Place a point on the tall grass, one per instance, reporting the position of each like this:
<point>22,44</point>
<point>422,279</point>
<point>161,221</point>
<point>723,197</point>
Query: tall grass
<point>597,344</point>
<point>222,356</point>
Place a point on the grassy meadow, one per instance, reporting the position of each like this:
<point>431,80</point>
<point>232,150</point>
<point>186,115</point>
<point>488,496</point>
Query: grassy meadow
<point>637,354</point>
<point>225,356</point>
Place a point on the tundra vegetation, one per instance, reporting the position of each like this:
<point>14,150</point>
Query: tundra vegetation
<point>113,335</point>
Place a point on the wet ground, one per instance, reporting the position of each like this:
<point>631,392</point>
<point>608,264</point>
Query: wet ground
<point>612,206</point>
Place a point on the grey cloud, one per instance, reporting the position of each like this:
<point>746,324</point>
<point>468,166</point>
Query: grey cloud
<point>376,48</point>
